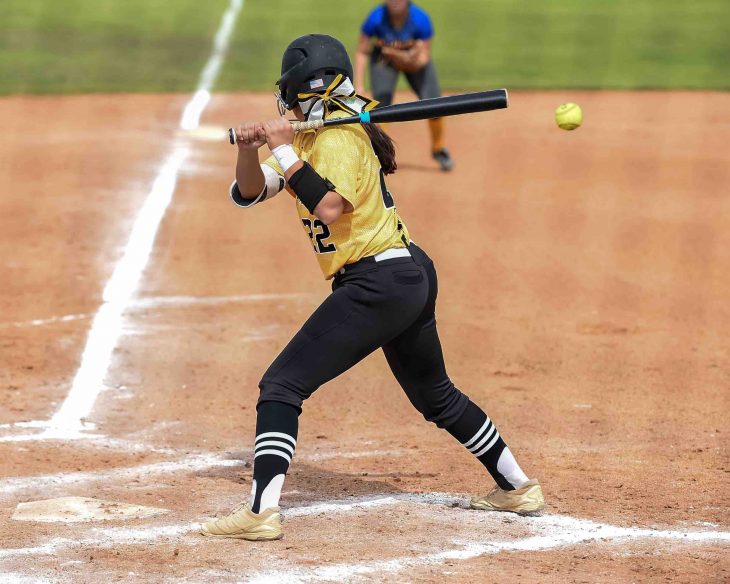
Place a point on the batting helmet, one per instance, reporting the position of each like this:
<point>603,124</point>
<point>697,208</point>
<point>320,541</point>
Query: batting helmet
<point>310,63</point>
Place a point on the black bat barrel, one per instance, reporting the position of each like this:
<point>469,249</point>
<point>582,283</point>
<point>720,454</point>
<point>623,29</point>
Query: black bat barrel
<point>437,107</point>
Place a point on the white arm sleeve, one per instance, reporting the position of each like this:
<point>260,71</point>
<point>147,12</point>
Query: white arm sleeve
<point>274,183</point>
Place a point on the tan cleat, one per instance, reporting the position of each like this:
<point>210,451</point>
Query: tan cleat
<point>243,523</point>
<point>527,500</point>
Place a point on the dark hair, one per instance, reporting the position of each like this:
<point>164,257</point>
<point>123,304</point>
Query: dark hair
<point>383,146</point>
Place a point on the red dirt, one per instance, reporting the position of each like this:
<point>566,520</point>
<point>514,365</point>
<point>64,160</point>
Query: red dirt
<point>583,303</point>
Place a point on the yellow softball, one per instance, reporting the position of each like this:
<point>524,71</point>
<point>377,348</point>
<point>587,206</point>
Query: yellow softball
<point>569,116</point>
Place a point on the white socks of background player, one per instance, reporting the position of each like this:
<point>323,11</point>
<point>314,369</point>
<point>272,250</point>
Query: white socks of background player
<point>480,437</point>
<point>276,439</point>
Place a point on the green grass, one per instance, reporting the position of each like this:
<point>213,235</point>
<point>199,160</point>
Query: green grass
<point>78,46</point>
<point>62,46</point>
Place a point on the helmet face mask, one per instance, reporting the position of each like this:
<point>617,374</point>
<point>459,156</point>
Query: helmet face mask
<point>280,103</point>
<point>310,63</point>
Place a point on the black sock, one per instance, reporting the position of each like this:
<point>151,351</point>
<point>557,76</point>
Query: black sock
<point>276,438</point>
<point>479,435</point>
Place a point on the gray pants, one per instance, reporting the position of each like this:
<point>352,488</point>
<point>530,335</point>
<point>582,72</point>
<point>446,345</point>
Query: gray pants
<point>383,79</point>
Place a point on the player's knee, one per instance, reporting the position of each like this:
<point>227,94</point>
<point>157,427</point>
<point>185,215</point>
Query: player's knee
<point>281,392</point>
<point>445,405</point>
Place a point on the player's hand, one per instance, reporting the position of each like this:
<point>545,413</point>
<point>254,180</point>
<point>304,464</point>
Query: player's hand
<point>250,136</point>
<point>392,56</point>
<point>278,132</point>
<point>406,60</point>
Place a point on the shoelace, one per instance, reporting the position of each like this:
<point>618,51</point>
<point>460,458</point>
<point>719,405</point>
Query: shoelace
<point>239,507</point>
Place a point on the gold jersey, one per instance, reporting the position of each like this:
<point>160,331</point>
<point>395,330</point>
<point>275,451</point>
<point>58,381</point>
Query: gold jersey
<point>345,156</point>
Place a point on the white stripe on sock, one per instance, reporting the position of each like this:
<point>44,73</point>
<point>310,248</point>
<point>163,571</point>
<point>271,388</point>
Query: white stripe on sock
<point>479,433</point>
<point>276,435</point>
<point>278,443</point>
<point>488,446</point>
<point>276,452</point>
<point>484,440</point>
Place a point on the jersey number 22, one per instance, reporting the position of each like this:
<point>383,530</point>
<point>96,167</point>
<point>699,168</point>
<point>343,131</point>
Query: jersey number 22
<point>318,232</point>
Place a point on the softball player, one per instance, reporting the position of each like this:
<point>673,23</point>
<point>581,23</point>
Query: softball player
<point>383,286</point>
<point>396,37</point>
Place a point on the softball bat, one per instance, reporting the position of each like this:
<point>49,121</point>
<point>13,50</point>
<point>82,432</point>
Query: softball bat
<point>423,109</point>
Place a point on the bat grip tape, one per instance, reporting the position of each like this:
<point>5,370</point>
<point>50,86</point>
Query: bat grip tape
<point>364,117</point>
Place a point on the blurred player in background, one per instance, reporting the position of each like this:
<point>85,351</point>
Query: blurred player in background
<point>396,37</point>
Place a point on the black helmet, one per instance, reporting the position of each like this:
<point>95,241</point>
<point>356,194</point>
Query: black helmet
<point>311,63</point>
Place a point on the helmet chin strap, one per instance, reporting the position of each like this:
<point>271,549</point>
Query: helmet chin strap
<point>340,94</point>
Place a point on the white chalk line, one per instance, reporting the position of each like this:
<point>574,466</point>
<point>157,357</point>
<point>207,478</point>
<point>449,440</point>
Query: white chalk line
<point>117,535</point>
<point>552,531</point>
<point>335,454</point>
<point>206,133</point>
<point>43,437</point>
<point>17,578</point>
<point>46,321</point>
<point>141,304</point>
<point>196,462</point>
<point>107,323</point>
<point>164,302</point>
<point>558,531</point>
<point>106,326</point>
<point>103,537</point>
<point>113,444</point>
<point>263,333</point>
<point>368,502</point>
<point>194,109</point>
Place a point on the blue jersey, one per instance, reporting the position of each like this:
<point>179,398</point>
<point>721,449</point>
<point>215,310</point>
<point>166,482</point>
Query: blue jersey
<point>417,26</point>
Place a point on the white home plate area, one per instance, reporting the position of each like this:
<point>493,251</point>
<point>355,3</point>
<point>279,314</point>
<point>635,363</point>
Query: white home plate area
<point>77,509</point>
<point>414,535</point>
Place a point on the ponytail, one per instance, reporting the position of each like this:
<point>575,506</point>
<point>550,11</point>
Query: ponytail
<point>383,146</point>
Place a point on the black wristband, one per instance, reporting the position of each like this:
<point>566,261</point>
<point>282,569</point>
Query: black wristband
<point>309,187</point>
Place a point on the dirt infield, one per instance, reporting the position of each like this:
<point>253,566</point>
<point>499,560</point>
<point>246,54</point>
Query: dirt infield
<point>584,284</point>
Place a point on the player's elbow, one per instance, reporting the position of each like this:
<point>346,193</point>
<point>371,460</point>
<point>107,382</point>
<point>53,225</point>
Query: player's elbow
<point>328,215</point>
<point>250,187</point>
<point>330,208</point>
<point>251,193</point>
<point>363,45</point>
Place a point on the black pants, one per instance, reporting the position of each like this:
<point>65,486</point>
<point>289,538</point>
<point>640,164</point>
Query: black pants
<point>389,304</point>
